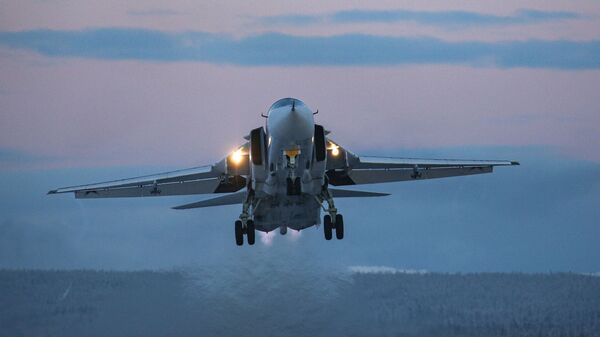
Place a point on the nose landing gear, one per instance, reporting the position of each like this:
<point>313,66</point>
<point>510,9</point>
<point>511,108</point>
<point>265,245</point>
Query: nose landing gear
<point>294,186</point>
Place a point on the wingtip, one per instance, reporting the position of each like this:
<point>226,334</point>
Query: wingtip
<point>514,162</point>
<point>52,192</point>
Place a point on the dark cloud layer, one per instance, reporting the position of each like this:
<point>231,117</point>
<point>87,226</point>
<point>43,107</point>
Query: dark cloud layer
<point>431,18</point>
<point>273,49</point>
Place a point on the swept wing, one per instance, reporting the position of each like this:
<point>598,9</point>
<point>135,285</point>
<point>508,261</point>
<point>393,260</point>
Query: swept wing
<point>347,168</point>
<point>196,180</point>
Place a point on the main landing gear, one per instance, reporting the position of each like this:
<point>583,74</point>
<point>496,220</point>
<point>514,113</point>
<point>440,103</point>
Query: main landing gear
<point>333,220</point>
<point>248,230</point>
<point>245,225</point>
<point>329,226</point>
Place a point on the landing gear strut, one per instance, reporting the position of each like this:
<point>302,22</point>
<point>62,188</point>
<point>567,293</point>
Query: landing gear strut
<point>245,225</point>
<point>294,186</point>
<point>333,220</point>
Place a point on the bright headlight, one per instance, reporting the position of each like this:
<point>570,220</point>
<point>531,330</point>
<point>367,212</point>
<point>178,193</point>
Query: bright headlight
<point>335,150</point>
<point>236,156</point>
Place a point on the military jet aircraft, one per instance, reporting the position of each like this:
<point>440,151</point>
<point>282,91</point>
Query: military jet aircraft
<point>282,176</point>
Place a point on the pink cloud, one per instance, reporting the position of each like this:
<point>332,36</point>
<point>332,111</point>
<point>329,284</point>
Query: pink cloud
<point>115,113</point>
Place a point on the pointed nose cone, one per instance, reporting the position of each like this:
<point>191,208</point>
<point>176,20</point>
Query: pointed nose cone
<point>299,125</point>
<point>292,124</point>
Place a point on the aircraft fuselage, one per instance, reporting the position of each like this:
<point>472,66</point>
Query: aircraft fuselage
<point>289,131</point>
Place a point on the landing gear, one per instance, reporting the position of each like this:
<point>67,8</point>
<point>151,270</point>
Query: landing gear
<point>339,226</point>
<point>333,220</point>
<point>239,233</point>
<point>327,227</point>
<point>245,225</point>
<point>250,232</point>
<point>294,186</point>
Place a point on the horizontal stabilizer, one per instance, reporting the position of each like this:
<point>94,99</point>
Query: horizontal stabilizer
<point>229,199</point>
<point>238,198</point>
<point>339,193</point>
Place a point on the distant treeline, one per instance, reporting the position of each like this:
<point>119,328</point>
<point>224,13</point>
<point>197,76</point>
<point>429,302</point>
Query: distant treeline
<point>479,304</point>
<point>235,303</point>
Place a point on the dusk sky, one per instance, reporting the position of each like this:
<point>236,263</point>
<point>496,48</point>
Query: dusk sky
<point>143,82</point>
<point>96,90</point>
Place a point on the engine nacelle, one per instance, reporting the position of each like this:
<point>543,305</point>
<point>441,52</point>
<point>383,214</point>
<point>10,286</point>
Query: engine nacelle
<point>319,157</point>
<point>319,144</point>
<point>258,157</point>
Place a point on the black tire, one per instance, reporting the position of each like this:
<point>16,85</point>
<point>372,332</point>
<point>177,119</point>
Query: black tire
<point>289,186</point>
<point>297,186</point>
<point>319,143</point>
<point>339,226</point>
<point>250,232</point>
<point>239,233</point>
<point>327,227</point>
<point>256,146</point>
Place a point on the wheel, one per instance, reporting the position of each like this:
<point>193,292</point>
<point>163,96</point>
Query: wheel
<point>250,232</point>
<point>339,226</point>
<point>239,233</point>
<point>327,227</point>
<point>297,186</point>
<point>290,186</point>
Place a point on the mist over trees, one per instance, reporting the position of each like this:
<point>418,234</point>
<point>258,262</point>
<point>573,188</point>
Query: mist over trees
<point>297,303</point>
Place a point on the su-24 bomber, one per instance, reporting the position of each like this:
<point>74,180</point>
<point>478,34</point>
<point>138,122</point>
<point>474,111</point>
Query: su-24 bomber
<point>282,176</point>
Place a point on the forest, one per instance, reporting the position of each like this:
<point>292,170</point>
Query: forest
<point>202,302</point>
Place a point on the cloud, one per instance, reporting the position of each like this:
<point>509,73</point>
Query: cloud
<point>12,159</point>
<point>274,49</point>
<point>291,19</point>
<point>451,18</point>
<point>384,270</point>
<point>153,12</point>
<point>430,18</point>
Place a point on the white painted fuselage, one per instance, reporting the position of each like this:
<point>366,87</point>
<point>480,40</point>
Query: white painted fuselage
<point>290,130</point>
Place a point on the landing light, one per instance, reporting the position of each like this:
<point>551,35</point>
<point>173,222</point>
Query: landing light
<point>335,150</point>
<point>236,156</point>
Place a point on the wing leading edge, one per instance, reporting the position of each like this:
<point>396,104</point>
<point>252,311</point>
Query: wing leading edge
<point>222,177</point>
<point>346,168</point>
